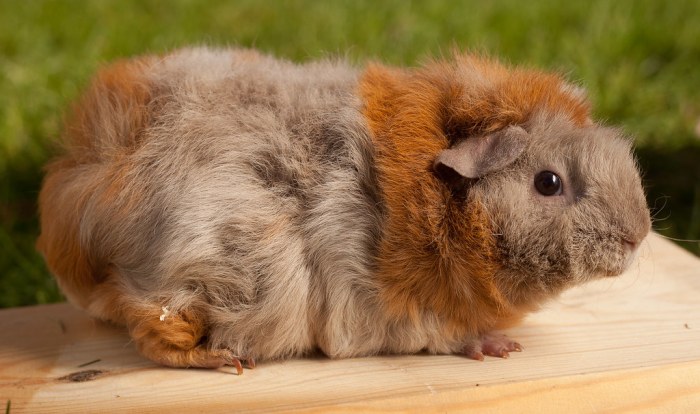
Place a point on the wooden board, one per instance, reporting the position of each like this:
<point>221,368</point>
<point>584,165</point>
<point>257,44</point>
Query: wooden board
<point>627,344</point>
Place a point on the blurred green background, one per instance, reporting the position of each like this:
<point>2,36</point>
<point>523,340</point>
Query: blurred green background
<point>639,60</point>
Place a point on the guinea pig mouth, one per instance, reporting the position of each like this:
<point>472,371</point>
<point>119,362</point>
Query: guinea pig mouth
<point>621,263</point>
<point>613,273</point>
<point>608,271</point>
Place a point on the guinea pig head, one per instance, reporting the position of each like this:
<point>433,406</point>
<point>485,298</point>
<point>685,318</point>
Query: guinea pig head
<point>565,201</point>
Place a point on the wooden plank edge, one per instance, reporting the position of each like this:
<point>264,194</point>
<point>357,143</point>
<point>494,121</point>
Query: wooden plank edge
<point>666,389</point>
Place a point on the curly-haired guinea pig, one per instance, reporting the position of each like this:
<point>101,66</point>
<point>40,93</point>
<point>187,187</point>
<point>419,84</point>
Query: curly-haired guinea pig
<point>227,206</point>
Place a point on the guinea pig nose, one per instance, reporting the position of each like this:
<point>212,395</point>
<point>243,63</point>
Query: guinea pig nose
<point>629,245</point>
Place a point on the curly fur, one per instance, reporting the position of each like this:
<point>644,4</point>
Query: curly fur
<point>276,208</point>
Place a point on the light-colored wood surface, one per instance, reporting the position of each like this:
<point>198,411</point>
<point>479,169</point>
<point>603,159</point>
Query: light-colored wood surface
<point>629,344</point>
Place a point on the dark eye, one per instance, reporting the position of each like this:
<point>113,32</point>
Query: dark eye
<point>548,183</point>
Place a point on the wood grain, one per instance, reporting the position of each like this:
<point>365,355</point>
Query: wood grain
<point>628,344</point>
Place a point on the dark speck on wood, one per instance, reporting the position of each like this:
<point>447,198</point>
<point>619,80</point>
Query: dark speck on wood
<point>82,376</point>
<point>89,363</point>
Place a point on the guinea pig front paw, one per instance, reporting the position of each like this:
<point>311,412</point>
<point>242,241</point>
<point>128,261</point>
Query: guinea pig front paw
<point>496,345</point>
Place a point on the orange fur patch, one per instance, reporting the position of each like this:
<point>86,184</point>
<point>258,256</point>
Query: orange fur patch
<point>439,255</point>
<point>89,185</point>
<point>499,96</point>
<point>109,118</point>
<point>114,110</point>
<point>171,339</point>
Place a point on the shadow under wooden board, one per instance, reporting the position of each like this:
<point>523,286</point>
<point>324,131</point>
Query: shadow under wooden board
<point>627,343</point>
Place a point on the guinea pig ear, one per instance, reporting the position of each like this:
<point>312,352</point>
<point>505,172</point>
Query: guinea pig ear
<point>475,157</point>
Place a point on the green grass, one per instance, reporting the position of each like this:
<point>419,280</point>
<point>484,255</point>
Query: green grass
<point>639,60</point>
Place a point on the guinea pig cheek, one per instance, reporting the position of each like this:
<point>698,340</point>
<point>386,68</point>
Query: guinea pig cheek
<point>525,221</point>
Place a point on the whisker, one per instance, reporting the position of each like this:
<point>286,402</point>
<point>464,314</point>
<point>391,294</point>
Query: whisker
<point>655,220</point>
<point>658,210</point>
<point>680,240</point>
<point>665,198</point>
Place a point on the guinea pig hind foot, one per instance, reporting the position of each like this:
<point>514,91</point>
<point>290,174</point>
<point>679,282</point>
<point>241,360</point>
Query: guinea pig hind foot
<point>202,357</point>
<point>179,340</point>
<point>491,344</point>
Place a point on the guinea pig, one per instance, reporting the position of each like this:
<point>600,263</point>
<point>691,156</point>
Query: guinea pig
<point>227,206</point>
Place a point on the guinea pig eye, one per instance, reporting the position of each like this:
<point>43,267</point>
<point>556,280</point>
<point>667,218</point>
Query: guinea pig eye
<point>547,183</point>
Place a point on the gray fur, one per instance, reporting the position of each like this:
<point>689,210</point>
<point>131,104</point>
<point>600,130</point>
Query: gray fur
<point>275,198</point>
